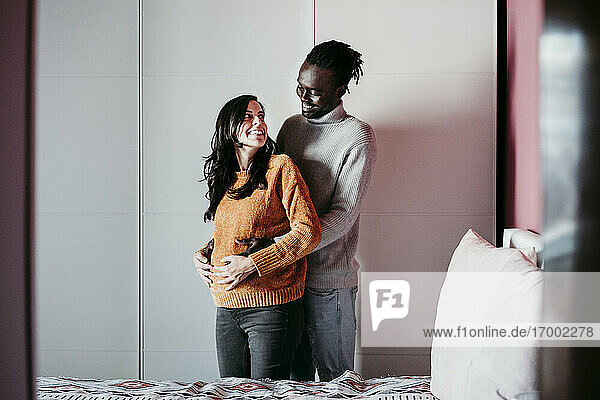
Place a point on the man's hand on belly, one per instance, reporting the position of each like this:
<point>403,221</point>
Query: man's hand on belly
<point>254,245</point>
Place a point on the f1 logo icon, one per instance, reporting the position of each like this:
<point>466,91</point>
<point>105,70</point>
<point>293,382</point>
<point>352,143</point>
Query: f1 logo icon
<point>389,299</point>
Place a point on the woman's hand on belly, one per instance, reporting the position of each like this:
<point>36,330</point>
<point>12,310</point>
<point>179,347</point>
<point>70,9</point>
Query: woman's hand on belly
<point>202,263</point>
<point>236,269</point>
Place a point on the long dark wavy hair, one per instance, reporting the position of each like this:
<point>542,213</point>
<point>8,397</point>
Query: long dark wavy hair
<point>221,165</point>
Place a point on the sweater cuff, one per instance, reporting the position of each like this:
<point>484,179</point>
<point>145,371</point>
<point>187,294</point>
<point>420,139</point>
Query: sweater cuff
<point>266,260</point>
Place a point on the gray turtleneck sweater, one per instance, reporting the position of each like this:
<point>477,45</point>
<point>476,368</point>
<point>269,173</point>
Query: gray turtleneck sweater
<point>336,156</point>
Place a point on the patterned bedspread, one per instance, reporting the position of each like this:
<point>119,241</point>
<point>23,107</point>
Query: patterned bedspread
<point>348,386</point>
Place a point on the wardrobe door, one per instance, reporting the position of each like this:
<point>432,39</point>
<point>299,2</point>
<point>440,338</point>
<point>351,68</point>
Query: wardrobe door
<point>197,55</point>
<point>86,188</point>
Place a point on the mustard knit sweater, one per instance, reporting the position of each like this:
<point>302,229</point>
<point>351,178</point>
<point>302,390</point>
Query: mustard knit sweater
<point>283,208</point>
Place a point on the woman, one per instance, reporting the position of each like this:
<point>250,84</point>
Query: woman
<point>254,193</point>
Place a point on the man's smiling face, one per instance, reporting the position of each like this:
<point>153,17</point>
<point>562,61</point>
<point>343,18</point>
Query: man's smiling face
<point>318,90</point>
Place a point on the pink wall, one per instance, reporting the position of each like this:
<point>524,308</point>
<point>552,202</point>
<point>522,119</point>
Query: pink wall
<point>523,164</point>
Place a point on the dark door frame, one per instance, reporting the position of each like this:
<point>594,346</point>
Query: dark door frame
<point>16,181</point>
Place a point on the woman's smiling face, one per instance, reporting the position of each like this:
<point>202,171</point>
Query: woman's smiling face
<point>253,131</point>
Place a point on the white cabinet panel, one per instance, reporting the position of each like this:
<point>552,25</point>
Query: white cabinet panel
<point>428,93</point>
<point>187,366</point>
<point>377,365</point>
<point>264,37</point>
<point>414,35</point>
<point>86,282</point>
<point>179,121</point>
<point>86,145</point>
<point>87,37</point>
<point>178,310</point>
<point>420,243</point>
<point>435,139</point>
<point>88,364</point>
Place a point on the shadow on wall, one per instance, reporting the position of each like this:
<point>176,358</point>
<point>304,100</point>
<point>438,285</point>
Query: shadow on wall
<point>435,172</point>
<point>427,190</point>
<point>434,179</point>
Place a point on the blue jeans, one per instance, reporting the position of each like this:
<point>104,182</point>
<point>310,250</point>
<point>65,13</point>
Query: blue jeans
<point>327,342</point>
<point>258,342</point>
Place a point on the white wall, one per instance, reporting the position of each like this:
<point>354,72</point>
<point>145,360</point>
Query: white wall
<point>86,191</point>
<point>198,55</point>
<point>428,91</point>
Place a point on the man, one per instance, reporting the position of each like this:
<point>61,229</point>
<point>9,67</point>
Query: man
<point>336,154</point>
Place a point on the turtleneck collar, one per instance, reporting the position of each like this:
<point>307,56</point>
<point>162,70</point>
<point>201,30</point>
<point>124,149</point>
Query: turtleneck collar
<point>335,115</point>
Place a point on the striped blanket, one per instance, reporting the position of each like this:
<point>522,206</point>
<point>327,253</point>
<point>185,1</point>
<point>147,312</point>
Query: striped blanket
<point>348,386</point>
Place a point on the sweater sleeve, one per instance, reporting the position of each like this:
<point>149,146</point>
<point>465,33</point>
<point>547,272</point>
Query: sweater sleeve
<point>305,230</point>
<point>350,191</point>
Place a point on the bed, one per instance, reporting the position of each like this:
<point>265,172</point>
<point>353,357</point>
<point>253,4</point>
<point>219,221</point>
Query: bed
<point>348,386</point>
<point>457,374</point>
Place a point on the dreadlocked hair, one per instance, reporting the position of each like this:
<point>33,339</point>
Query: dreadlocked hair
<point>339,58</point>
<point>221,165</point>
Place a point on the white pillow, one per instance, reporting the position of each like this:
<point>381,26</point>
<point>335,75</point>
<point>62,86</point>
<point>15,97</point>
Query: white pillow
<point>476,373</point>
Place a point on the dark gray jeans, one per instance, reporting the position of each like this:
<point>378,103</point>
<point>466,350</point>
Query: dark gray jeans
<point>258,342</point>
<point>328,339</point>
